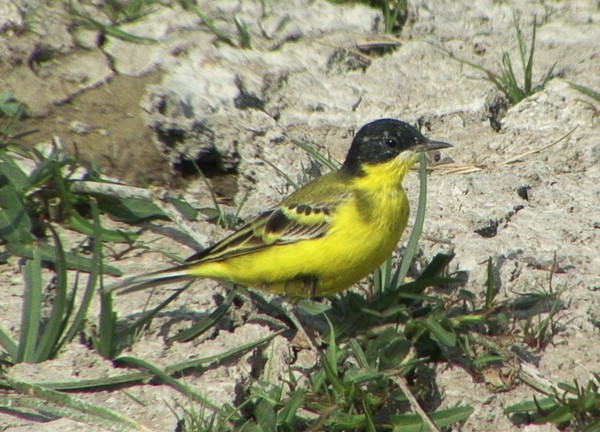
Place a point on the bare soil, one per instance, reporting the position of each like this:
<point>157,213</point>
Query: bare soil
<point>235,110</point>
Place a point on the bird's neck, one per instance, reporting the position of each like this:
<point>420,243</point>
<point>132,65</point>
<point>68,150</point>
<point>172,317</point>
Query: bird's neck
<point>380,197</point>
<point>384,179</point>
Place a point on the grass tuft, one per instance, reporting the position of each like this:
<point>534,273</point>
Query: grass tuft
<point>514,88</point>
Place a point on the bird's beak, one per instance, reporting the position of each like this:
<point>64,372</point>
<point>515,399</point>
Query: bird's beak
<point>429,145</point>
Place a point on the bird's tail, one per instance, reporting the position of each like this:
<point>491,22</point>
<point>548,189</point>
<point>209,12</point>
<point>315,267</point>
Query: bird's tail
<point>148,280</point>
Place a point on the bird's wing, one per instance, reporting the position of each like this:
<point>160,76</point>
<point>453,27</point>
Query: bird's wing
<point>278,226</point>
<point>302,216</point>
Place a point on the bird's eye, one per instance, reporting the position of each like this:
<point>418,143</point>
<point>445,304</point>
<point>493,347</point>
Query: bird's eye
<point>391,142</point>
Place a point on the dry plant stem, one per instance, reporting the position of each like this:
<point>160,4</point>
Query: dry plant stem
<point>527,372</point>
<point>531,376</point>
<point>157,196</point>
<point>414,403</point>
<point>476,168</point>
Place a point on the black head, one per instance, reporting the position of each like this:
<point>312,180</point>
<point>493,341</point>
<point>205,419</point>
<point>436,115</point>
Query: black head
<point>382,140</point>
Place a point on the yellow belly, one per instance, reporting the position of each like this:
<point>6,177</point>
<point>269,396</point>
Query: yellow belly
<point>353,247</point>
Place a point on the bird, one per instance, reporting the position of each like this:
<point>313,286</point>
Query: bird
<point>324,237</point>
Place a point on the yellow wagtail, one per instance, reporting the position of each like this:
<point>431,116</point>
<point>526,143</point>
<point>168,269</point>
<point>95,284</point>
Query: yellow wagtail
<point>324,237</point>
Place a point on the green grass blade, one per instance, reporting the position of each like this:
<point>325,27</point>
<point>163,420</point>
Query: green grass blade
<point>12,173</point>
<point>244,35</point>
<point>111,30</point>
<point>492,77</point>
<point>490,287</point>
<point>312,152</point>
<point>146,317</point>
<point>545,404</point>
<point>330,360</point>
<point>49,342</point>
<point>528,66</point>
<point>436,266</point>
<point>105,342</point>
<point>522,52</point>
<point>560,415</point>
<point>288,413</point>
<point>415,234</point>
<point>74,262</point>
<point>359,354</point>
<point>441,418</point>
<point>440,333</point>
<point>80,224</point>
<point>95,268</point>
<point>15,225</point>
<point>8,345</point>
<point>510,82</point>
<point>287,178</point>
<point>209,23</point>
<point>44,172</point>
<point>64,405</point>
<point>207,322</point>
<point>545,79</point>
<point>166,378</point>
<point>586,91</point>
<point>15,119</point>
<point>32,305</point>
<point>130,378</point>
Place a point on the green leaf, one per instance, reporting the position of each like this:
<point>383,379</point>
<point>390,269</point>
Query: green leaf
<point>388,350</point>
<point>15,225</point>
<point>11,173</point>
<point>187,210</point>
<point>415,234</point>
<point>436,266</point>
<point>58,404</point>
<point>49,342</point>
<point>315,154</point>
<point>73,261</point>
<point>545,404</point>
<point>96,269</point>
<point>341,421</point>
<point>8,345</point>
<point>586,91</point>
<point>561,414</point>
<point>105,340</point>
<point>128,378</point>
<point>490,288</point>
<point>313,307</point>
<point>131,209</point>
<point>265,416</point>
<point>78,223</point>
<point>205,323</point>
<point>441,418</point>
<point>440,333</point>
<point>32,309</point>
<point>330,360</point>
<point>165,377</point>
<point>131,330</point>
<point>138,209</point>
<point>286,415</point>
<point>9,106</point>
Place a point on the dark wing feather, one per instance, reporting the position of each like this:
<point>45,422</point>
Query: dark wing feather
<point>306,214</point>
<point>278,226</point>
<point>240,242</point>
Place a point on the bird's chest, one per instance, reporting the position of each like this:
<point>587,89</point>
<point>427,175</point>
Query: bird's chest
<point>384,211</point>
<point>374,220</point>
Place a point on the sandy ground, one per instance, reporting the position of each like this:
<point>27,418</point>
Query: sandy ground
<point>143,112</point>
